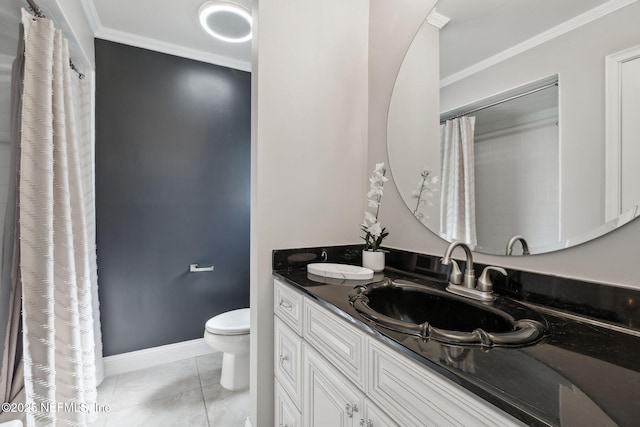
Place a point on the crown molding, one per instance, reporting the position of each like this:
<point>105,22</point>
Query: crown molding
<point>438,20</point>
<point>565,27</point>
<point>170,48</point>
<point>92,15</point>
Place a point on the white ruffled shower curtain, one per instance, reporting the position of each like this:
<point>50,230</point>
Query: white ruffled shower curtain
<point>61,333</point>
<point>457,196</point>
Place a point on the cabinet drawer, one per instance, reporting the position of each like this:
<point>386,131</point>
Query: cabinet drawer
<point>287,305</point>
<point>414,396</point>
<point>342,344</point>
<point>288,360</point>
<point>286,413</point>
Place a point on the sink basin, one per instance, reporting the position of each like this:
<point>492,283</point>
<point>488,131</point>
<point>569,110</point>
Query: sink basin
<point>340,271</point>
<point>435,314</point>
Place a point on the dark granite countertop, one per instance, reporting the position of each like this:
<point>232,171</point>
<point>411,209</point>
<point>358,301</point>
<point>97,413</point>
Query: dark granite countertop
<point>586,372</point>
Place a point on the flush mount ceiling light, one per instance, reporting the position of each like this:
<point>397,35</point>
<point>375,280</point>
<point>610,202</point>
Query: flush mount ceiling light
<point>225,21</point>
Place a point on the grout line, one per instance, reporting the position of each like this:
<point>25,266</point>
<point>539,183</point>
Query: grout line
<point>206,410</point>
<point>155,400</point>
<point>113,392</point>
<point>195,359</point>
<point>204,401</point>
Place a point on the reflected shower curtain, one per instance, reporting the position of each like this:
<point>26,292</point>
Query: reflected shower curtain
<point>458,203</point>
<point>57,240</point>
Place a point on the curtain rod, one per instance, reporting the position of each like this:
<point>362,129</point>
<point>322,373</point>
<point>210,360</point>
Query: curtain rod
<point>38,13</point>
<point>493,104</point>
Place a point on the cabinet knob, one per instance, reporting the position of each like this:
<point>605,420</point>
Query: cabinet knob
<point>285,305</point>
<point>282,359</point>
<point>351,409</point>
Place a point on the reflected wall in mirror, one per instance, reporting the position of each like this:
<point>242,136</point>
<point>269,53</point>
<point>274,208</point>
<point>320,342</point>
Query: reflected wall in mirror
<point>551,156</point>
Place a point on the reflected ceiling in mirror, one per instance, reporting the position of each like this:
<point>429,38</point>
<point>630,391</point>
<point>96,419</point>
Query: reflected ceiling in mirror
<point>482,29</point>
<point>489,51</point>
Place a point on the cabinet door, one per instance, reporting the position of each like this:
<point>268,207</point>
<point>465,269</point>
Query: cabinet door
<point>288,360</point>
<point>330,400</point>
<point>286,413</point>
<point>374,417</point>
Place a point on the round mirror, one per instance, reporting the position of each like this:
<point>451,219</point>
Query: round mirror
<point>514,128</point>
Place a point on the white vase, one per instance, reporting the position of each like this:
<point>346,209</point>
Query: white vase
<point>373,260</point>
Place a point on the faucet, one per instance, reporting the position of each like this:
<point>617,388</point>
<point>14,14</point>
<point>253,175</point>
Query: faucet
<point>469,276</point>
<point>513,240</point>
<point>484,289</point>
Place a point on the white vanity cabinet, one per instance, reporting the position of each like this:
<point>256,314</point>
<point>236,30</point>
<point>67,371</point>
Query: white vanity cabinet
<point>288,361</point>
<point>375,417</point>
<point>287,413</point>
<point>416,396</point>
<point>330,373</point>
<point>339,342</point>
<point>330,399</point>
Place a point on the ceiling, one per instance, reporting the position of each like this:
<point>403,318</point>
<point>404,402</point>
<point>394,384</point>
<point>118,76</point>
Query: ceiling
<point>479,29</point>
<point>169,26</point>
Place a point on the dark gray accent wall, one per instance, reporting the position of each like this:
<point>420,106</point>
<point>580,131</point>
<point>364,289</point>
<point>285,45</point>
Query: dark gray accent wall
<point>172,189</point>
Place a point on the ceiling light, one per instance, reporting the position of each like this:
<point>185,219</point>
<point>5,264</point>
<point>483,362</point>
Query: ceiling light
<point>229,22</point>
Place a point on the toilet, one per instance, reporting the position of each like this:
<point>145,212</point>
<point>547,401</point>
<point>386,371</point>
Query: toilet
<point>229,333</point>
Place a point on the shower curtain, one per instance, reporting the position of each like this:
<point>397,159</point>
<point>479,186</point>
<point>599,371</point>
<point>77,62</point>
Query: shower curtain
<point>457,196</point>
<point>57,233</point>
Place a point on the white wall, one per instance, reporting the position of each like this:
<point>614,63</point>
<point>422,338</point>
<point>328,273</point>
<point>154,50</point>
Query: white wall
<point>416,91</point>
<point>309,145</point>
<point>517,185</point>
<point>393,25</point>
<point>610,259</point>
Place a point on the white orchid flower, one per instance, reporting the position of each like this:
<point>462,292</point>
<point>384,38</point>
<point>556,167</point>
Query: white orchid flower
<point>372,228</point>
<point>370,218</point>
<point>381,178</point>
<point>377,180</point>
<point>375,230</point>
<point>375,192</point>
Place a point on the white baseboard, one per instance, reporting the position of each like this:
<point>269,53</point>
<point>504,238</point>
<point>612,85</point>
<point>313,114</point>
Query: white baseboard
<point>141,359</point>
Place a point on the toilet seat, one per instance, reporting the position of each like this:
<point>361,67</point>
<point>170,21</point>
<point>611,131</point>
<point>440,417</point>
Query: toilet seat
<point>234,322</point>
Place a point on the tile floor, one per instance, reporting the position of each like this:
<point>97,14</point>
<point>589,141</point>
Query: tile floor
<point>183,393</point>
<point>186,393</point>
